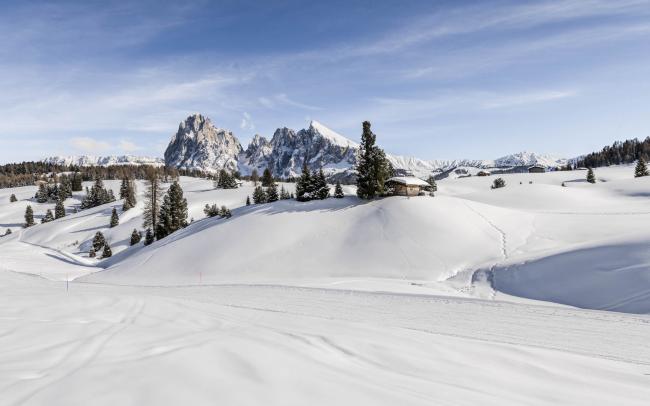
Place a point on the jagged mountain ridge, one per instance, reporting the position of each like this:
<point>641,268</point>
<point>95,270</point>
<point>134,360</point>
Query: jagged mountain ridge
<point>108,160</point>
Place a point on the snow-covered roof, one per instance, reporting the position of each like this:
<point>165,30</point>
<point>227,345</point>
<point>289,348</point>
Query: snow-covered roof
<point>408,180</point>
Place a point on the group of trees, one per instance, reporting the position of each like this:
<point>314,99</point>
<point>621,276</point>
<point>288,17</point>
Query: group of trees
<point>268,191</point>
<point>100,243</point>
<point>214,210</point>
<point>311,187</point>
<point>618,153</point>
<point>163,214</point>
<point>97,195</point>
<point>127,192</point>
<point>225,180</point>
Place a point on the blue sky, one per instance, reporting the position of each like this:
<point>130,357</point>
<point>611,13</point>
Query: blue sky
<point>437,79</point>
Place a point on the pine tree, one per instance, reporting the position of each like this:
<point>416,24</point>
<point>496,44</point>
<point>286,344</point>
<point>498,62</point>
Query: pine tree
<point>267,178</point>
<point>259,196</point>
<point>76,182</point>
<point>226,180</point>
<point>338,191</point>
<point>115,219</point>
<point>498,183</point>
<point>12,198</point>
<point>211,211</point>
<point>224,212</point>
<point>248,201</point>
<point>432,184</point>
<point>59,210</point>
<point>321,189</point>
<point>91,253</point>
<point>107,253</point>
<point>98,241</point>
<point>48,217</point>
<point>641,168</point>
<point>272,192</point>
<point>304,184</point>
<point>29,217</point>
<point>373,169</point>
<point>591,178</point>
<point>124,188</point>
<point>255,178</point>
<point>284,194</point>
<point>152,199</point>
<point>129,195</point>
<point>8,231</point>
<point>173,211</point>
<point>136,236</point>
<point>65,189</point>
<point>148,238</point>
<point>41,194</point>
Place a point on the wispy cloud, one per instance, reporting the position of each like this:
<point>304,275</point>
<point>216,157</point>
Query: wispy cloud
<point>526,98</point>
<point>89,145</point>
<point>246,122</point>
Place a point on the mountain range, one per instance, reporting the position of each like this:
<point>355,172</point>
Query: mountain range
<point>199,144</point>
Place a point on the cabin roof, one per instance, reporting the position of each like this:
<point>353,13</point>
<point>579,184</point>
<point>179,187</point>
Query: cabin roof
<point>408,180</point>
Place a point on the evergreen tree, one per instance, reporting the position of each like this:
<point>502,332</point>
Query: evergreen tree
<point>211,211</point>
<point>591,178</point>
<point>173,211</point>
<point>59,210</point>
<point>48,217</point>
<point>124,188</point>
<point>225,212</point>
<point>373,169</point>
<point>498,183</point>
<point>129,195</point>
<point>136,236</point>
<point>12,198</point>
<point>226,180</point>
<point>76,182</point>
<point>338,190</point>
<point>259,196</point>
<point>98,241</point>
<point>91,253</point>
<point>29,217</point>
<point>321,189</point>
<point>41,194</point>
<point>432,184</point>
<point>267,178</point>
<point>255,178</point>
<point>65,187</point>
<point>272,192</point>
<point>148,238</point>
<point>641,168</point>
<point>304,184</point>
<point>284,194</point>
<point>107,253</point>
<point>152,198</point>
<point>115,219</point>
<point>8,231</point>
<point>248,201</point>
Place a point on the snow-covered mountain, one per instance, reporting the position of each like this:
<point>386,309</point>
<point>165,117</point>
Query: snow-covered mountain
<point>90,160</point>
<point>198,144</point>
<point>285,154</point>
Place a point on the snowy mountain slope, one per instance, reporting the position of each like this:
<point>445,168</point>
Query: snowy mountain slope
<point>90,160</point>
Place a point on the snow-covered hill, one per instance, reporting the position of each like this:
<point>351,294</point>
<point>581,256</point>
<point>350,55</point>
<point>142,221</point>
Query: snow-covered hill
<point>91,160</point>
<point>393,301</point>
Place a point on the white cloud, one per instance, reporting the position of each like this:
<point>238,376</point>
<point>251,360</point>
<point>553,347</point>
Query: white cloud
<point>89,145</point>
<point>246,123</point>
<point>127,146</point>
<point>526,98</point>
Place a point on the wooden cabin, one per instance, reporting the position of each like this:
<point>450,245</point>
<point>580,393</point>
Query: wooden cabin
<point>406,185</point>
<point>483,173</point>
<point>536,169</point>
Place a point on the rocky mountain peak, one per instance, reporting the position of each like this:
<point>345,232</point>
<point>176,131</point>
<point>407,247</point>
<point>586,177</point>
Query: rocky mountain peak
<point>198,144</point>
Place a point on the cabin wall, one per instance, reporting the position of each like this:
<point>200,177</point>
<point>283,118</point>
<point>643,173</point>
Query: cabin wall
<point>403,190</point>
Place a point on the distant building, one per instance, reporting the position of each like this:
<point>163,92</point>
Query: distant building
<point>537,169</point>
<point>406,185</point>
<point>483,173</point>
